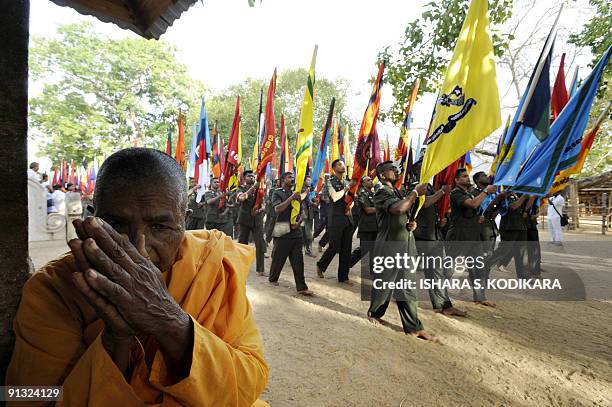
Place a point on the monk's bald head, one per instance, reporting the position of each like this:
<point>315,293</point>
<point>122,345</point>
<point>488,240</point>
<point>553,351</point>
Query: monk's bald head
<point>140,167</point>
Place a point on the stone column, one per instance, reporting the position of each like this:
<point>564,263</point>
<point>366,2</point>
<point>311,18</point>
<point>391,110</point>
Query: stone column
<point>14,261</point>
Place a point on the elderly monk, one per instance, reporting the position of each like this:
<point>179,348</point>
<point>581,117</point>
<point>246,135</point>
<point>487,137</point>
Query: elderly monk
<point>140,312</point>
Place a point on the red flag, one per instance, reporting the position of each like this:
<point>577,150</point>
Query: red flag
<point>387,153</point>
<point>230,166</point>
<point>322,178</point>
<point>283,146</point>
<point>366,139</point>
<point>446,177</point>
<point>268,147</point>
<point>559,95</point>
<point>55,177</point>
<point>64,173</point>
<point>169,143</point>
<point>374,154</point>
<point>179,154</point>
<point>72,180</point>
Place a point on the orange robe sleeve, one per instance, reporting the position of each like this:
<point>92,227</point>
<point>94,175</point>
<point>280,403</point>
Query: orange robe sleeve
<point>58,337</point>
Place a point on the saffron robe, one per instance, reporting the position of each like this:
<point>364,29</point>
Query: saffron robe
<point>58,336</point>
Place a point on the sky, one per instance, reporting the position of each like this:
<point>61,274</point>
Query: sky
<point>223,42</point>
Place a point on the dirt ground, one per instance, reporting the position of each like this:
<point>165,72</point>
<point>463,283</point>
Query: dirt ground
<point>323,352</point>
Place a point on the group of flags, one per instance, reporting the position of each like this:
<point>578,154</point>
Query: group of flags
<point>83,176</point>
<point>541,146</point>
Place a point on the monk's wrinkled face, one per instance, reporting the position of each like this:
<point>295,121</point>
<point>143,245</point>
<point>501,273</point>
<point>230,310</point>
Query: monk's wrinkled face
<point>152,210</point>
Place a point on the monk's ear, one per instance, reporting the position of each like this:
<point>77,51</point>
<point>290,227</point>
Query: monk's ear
<point>188,212</point>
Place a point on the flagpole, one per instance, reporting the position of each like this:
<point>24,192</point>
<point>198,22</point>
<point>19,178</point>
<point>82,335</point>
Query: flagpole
<point>549,42</point>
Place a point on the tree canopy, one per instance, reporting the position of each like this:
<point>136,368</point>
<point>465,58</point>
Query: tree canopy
<point>428,44</point>
<point>596,36</point>
<point>100,94</point>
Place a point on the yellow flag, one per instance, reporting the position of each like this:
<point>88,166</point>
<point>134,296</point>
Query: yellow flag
<point>234,182</point>
<point>347,151</point>
<point>304,138</point>
<point>335,151</point>
<point>467,109</point>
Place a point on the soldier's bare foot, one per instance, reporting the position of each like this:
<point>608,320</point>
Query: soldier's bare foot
<point>423,335</point>
<point>306,292</point>
<point>260,273</point>
<point>347,282</point>
<point>486,303</point>
<point>274,283</point>
<point>451,311</point>
<point>376,321</point>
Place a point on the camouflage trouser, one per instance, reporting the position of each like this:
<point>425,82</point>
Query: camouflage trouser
<point>307,229</point>
<point>269,225</point>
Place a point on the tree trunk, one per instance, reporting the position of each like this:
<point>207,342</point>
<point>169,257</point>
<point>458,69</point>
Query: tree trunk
<point>594,180</point>
<point>14,261</point>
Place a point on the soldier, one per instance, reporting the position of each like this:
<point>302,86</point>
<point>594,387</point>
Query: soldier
<point>324,208</point>
<point>270,215</point>
<point>429,243</point>
<point>513,231</point>
<point>308,215</point>
<point>395,234</point>
<point>250,219</point>
<point>487,212</point>
<point>464,227</point>
<point>339,224</point>
<point>367,220</point>
<point>287,236</point>
<point>534,251</point>
<point>217,218</point>
<point>197,217</point>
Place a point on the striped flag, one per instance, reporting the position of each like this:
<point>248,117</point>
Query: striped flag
<point>179,154</point>
<point>401,152</point>
<point>368,137</point>
<point>268,146</point>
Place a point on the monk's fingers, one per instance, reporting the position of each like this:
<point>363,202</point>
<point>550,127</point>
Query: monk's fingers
<point>105,310</point>
<point>123,240</point>
<point>113,247</point>
<point>76,247</point>
<point>113,292</point>
<point>141,246</point>
<point>80,230</point>
<point>104,264</point>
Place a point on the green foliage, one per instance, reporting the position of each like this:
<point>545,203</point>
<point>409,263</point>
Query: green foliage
<point>289,97</point>
<point>596,36</point>
<point>100,94</point>
<point>427,47</point>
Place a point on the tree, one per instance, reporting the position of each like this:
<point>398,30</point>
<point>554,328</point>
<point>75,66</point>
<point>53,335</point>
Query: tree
<point>596,36</point>
<point>102,94</point>
<point>427,46</point>
<point>289,96</point>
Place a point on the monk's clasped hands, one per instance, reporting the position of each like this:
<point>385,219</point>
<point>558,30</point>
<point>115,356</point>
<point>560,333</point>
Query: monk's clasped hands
<point>121,283</point>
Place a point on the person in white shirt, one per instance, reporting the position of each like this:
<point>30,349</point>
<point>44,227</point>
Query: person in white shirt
<point>33,172</point>
<point>555,209</point>
<point>58,198</point>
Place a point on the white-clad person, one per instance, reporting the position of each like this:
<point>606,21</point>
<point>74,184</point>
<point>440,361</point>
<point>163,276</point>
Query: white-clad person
<point>555,209</point>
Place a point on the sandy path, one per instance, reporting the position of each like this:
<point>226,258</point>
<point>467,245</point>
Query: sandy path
<point>323,352</point>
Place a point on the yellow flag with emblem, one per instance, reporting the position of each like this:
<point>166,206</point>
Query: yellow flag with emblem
<point>467,109</point>
<point>304,138</point>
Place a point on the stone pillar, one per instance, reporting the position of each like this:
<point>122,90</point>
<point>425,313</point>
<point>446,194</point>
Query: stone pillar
<point>14,261</point>
<point>574,205</point>
<point>604,213</point>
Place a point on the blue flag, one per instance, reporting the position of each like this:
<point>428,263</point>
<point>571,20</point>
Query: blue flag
<point>560,149</point>
<point>322,151</point>
<point>530,125</point>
